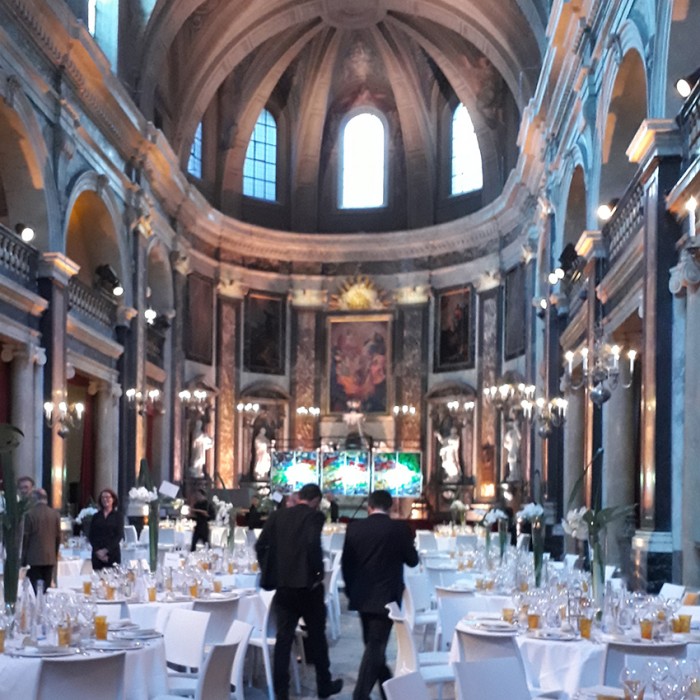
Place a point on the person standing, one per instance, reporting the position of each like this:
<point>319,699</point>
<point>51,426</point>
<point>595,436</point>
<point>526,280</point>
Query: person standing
<point>106,531</point>
<point>291,563</point>
<point>42,538</point>
<point>374,554</point>
<point>202,511</point>
<point>25,486</point>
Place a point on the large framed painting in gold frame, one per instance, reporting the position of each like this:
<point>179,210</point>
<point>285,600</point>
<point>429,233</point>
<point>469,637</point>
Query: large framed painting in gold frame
<point>264,333</point>
<point>359,363</point>
<point>454,329</point>
<point>199,319</point>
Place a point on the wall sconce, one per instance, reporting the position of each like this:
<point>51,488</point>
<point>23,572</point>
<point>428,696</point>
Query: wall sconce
<point>684,85</point>
<point>249,408</point>
<point>605,211</point>
<point>313,411</point>
<point>150,314</point>
<point>601,371</point>
<point>194,398</point>
<point>26,233</point>
<point>549,414</point>
<point>141,400</point>
<point>63,415</point>
<point>404,410</point>
<point>510,397</point>
<point>108,278</point>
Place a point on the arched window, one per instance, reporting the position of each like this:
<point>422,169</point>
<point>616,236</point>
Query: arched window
<point>467,174</point>
<point>363,162</point>
<point>92,16</point>
<point>260,167</point>
<point>194,164</point>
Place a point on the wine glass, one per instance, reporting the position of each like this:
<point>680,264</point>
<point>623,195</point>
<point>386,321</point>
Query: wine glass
<point>634,682</point>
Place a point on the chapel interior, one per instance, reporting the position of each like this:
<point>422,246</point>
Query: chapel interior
<point>265,230</point>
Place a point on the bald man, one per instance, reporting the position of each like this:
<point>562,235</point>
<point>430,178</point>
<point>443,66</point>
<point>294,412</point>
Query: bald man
<point>42,537</point>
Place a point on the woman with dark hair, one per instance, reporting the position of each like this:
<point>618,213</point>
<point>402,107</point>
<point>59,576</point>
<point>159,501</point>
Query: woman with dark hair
<point>106,531</point>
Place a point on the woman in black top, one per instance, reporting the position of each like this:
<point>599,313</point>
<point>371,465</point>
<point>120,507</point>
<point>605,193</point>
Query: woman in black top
<point>106,532</point>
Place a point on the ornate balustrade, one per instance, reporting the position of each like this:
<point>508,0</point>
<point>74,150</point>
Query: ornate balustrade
<point>626,221</point>
<point>92,304</point>
<point>18,260</point>
<point>689,122</point>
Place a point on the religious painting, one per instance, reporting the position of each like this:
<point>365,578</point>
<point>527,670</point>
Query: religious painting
<point>359,362</point>
<point>199,330</point>
<point>515,313</point>
<point>264,337</point>
<point>454,344</point>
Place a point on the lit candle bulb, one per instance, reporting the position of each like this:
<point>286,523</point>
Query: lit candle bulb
<point>570,362</point>
<point>584,358</point>
<point>691,205</point>
<point>632,354</point>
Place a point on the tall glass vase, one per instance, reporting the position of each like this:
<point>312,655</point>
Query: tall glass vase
<point>502,536</point>
<point>596,555</point>
<point>153,522</point>
<point>538,549</point>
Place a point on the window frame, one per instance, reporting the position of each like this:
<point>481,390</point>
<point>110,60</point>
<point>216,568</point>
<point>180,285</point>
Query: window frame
<point>197,138</point>
<point>451,159</point>
<point>276,183</point>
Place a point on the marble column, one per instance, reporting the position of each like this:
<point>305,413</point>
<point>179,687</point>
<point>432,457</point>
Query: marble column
<point>620,468</point>
<point>574,440</point>
<point>106,434</point>
<point>685,279</point>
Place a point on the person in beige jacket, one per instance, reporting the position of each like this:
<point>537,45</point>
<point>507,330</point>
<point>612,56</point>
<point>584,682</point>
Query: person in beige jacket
<point>42,537</point>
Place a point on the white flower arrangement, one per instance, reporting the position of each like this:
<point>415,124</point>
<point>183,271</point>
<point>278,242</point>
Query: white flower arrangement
<point>325,505</point>
<point>142,494</point>
<point>223,511</point>
<point>531,512</point>
<point>86,512</point>
<point>457,506</point>
<point>494,516</point>
<point>575,524</point>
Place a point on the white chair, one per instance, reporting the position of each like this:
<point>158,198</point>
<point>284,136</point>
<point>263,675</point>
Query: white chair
<point>426,540</point>
<point>410,686</point>
<point>223,613</point>
<point>130,536</point>
<point>337,542</point>
<point>452,607</point>
<point>263,638</point>
<point>442,575</point>
<point>214,680</point>
<point>407,660</point>
<point>239,635</point>
<point>113,611</point>
<point>183,636</point>
<point>330,583</point>
<point>617,655</point>
<point>466,541</point>
<point>672,591</point>
<point>143,537</point>
<point>83,678</point>
<point>417,603</point>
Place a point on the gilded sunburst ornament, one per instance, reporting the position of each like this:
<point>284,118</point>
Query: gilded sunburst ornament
<point>358,293</point>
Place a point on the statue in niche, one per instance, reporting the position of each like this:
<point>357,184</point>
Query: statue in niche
<point>511,444</point>
<point>201,442</point>
<point>263,460</point>
<point>449,454</point>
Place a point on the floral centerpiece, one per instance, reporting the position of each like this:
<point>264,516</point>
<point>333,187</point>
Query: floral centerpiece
<point>84,518</point>
<point>223,518</point>
<point>12,515</point>
<point>458,511</point>
<point>325,508</point>
<point>534,514</point>
<point>590,524</point>
<point>147,493</point>
<point>497,517</point>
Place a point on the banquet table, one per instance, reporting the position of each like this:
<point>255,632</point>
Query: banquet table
<point>145,673</point>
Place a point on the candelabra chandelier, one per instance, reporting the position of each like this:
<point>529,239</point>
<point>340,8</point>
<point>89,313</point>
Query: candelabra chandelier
<point>601,372</point>
<point>460,407</point>
<point>142,400</point>
<point>313,411</point>
<point>549,413</point>
<point>404,410</point>
<point>63,415</point>
<point>511,397</point>
<point>196,398</point>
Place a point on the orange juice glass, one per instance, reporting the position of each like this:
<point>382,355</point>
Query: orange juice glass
<point>109,594</point>
<point>218,585</point>
<point>584,626</point>
<point>151,594</point>
<point>193,590</point>
<point>63,635</point>
<point>230,567</point>
<point>646,629</point>
<point>685,623</point>
<point>100,627</point>
<point>508,614</point>
<point>87,587</point>
<point>2,640</point>
<point>533,621</point>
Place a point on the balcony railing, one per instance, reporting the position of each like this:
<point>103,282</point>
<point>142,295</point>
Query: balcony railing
<point>18,260</point>
<point>92,304</point>
<point>689,122</point>
<point>627,219</point>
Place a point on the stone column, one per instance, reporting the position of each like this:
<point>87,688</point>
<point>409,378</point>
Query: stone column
<point>106,434</point>
<point>685,279</point>
<point>574,456</point>
<point>55,271</point>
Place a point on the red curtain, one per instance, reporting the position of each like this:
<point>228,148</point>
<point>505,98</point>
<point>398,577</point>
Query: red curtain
<point>87,461</point>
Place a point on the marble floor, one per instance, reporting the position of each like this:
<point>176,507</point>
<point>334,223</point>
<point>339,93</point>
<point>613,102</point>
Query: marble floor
<point>345,659</point>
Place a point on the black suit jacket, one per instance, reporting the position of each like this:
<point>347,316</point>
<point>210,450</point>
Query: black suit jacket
<point>289,548</point>
<point>374,555</point>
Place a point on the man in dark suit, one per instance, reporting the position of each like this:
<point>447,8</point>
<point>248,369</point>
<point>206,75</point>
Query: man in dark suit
<point>374,555</point>
<point>42,538</point>
<point>291,563</point>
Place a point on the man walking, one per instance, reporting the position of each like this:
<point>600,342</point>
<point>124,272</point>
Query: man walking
<point>291,563</point>
<point>374,555</point>
<point>42,538</point>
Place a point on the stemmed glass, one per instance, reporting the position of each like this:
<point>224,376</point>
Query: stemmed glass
<point>634,682</point>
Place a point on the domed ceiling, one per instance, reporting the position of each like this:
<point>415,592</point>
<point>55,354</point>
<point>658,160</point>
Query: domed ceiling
<point>309,63</point>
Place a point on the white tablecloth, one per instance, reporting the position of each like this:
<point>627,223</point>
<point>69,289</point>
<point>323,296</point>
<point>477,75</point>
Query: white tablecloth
<point>145,674</point>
